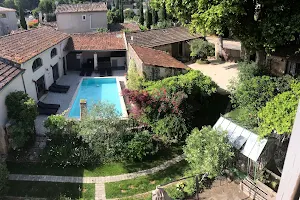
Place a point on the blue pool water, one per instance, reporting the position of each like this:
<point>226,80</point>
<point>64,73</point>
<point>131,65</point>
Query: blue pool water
<point>96,90</point>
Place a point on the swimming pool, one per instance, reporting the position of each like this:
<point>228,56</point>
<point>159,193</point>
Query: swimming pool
<point>95,90</point>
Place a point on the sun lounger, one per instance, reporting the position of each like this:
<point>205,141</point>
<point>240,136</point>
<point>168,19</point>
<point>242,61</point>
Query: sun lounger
<point>58,90</point>
<point>109,72</point>
<point>61,86</point>
<point>47,111</point>
<point>47,105</point>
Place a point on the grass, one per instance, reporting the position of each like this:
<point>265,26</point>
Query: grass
<point>51,190</point>
<point>108,169</point>
<point>145,183</point>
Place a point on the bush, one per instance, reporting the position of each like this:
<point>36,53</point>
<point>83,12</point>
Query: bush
<point>135,80</point>
<point>140,146</point>
<point>171,128</point>
<point>193,83</point>
<point>248,70</point>
<point>163,24</point>
<point>128,13</point>
<point>200,49</point>
<point>113,16</point>
<point>102,30</point>
<point>3,179</point>
<point>21,111</point>
<point>278,115</point>
<point>207,151</point>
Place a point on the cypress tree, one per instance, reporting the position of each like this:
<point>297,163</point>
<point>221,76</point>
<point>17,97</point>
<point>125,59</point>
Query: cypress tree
<point>148,18</point>
<point>142,19</point>
<point>154,17</point>
<point>122,12</point>
<point>22,18</point>
<point>118,5</point>
<point>163,13</point>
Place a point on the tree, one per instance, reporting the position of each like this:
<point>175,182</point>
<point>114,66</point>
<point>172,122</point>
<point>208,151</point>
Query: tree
<point>122,12</point>
<point>162,14</point>
<point>21,111</point>
<point>129,13</point>
<point>141,12</point>
<point>135,81</point>
<point>148,18</point>
<point>46,6</point>
<point>118,5</point>
<point>207,151</point>
<point>154,16</point>
<point>260,25</point>
<point>9,4</point>
<point>200,49</point>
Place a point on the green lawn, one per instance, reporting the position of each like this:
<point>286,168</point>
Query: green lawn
<point>108,169</point>
<point>51,190</point>
<point>145,183</point>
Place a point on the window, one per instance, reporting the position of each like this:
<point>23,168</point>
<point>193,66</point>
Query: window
<point>83,17</point>
<point>53,52</point>
<point>2,15</point>
<point>37,64</point>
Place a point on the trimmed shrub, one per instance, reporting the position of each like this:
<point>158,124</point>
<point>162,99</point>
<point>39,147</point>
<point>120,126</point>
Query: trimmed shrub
<point>3,179</point>
<point>135,81</point>
<point>200,49</point>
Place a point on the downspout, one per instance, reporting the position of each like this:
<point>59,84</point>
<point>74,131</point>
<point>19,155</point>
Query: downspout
<point>23,80</point>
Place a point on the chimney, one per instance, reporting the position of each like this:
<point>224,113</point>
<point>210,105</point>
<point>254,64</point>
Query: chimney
<point>83,108</point>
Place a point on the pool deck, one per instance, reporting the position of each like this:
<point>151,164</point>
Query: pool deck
<point>64,100</point>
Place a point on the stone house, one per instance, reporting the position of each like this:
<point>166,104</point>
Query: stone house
<point>154,64</point>
<point>8,20</point>
<point>172,40</point>
<point>81,18</point>
<point>285,60</point>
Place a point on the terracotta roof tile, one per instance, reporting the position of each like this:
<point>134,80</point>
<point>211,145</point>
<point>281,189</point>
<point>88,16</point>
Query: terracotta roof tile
<point>7,74</point>
<point>22,46</point>
<point>3,9</point>
<point>157,58</point>
<point>159,37</point>
<point>97,41</point>
<point>82,7</point>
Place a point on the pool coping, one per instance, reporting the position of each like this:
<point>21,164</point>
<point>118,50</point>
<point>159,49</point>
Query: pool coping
<point>122,101</point>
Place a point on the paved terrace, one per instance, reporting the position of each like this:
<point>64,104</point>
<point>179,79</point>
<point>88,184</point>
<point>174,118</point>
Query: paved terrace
<point>65,99</point>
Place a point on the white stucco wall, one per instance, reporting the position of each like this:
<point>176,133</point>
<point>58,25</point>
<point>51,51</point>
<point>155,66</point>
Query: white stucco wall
<point>46,70</point>
<point>73,23</point>
<point>9,23</point>
<point>15,85</point>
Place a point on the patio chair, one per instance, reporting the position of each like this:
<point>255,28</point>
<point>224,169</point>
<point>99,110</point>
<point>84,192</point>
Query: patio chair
<point>47,105</point>
<point>109,72</point>
<point>89,72</point>
<point>47,111</point>
<point>102,72</point>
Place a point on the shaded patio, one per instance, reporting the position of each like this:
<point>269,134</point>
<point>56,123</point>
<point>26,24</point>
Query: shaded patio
<point>65,99</point>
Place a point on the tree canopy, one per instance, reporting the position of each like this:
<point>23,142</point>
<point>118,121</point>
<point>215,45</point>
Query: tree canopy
<point>207,151</point>
<point>260,25</point>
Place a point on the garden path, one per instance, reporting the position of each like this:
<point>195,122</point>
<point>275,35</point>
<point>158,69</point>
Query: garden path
<point>99,181</point>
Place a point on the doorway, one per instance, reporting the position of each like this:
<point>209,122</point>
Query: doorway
<point>55,72</point>
<point>40,87</point>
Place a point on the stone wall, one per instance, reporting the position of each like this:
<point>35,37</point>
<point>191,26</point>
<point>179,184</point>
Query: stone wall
<point>277,65</point>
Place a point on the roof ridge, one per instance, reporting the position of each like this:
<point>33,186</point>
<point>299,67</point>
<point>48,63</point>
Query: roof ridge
<point>157,29</point>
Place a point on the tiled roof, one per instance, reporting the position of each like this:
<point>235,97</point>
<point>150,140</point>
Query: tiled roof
<point>82,7</point>
<point>157,58</point>
<point>124,26</point>
<point>7,74</point>
<point>22,46</point>
<point>154,38</point>
<point>3,9</point>
<point>97,41</point>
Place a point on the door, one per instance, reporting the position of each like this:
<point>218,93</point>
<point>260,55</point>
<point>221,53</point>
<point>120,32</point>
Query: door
<point>55,72</point>
<point>64,66</point>
<point>40,87</point>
